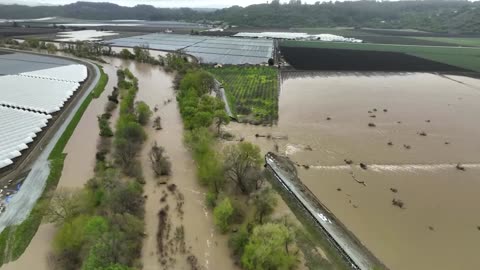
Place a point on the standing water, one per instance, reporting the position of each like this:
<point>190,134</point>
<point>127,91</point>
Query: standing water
<point>422,126</point>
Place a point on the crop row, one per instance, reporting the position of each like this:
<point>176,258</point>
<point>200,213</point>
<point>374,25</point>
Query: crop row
<point>254,89</point>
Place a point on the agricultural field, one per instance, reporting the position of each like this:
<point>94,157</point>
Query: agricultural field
<point>465,58</point>
<point>252,91</point>
<point>460,41</point>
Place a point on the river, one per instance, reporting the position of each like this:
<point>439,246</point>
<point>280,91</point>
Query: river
<point>437,228</point>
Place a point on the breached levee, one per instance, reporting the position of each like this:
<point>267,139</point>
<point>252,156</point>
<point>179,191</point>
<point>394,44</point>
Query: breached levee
<point>356,255</point>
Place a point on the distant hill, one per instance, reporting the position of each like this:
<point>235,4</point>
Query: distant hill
<point>436,16</point>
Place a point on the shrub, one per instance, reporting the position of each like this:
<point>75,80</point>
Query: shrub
<point>143,113</point>
<point>267,248</point>
<point>222,214</point>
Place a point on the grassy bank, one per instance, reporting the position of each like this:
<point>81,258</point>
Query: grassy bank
<point>254,90</point>
<point>102,82</point>
<point>467,58</point>
<point>15,239</point>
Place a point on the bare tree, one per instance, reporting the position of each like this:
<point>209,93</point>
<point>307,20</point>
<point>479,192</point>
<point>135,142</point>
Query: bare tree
<point>64,204</point>
<point>160,163</point>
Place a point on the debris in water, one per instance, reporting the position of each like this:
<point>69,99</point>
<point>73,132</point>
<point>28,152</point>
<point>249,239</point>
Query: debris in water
<point>348,161</point>
<point>406,146</point>
<point>390,143</point>
<point>369,111</point>
<point>399,122</point>
<point>339,189</point>
<point>355,206</point>
<point>397,202</point>
<point>385,110</point>
<point>422,133</point>
<point>329,118</point>
<point>308,148</point>
<point>358,181</point>
<point>447,143</point>
<point>373,116</point>
<point>460,167</point>
<point>363,166</point>
<point>394,190</point>
<point>306,166</point>
<point>428,121</point>
<point>431,228</point>
<point>374,110</point>
<point>371,125</point>
<point>478,228</point>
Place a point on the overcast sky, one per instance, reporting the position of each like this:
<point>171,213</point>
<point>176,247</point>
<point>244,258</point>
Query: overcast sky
<point>158,3</point>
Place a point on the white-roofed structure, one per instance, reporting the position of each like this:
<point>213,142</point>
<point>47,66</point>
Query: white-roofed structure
<point>296,36</point>
<point>34,93</point>
<point>28,95</point>
<point>17,129</point>
<point>72,73</point>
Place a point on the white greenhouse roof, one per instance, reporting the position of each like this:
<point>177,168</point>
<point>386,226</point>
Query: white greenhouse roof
<point>222,50</point>
<point>72,73</point>
<point>34,88</point>
<point>295,35</point>
<point>32,93</point>
<point>17,129</point>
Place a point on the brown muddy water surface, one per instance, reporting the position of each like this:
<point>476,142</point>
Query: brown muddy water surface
<point>201,238</point>
<point>437,228</point>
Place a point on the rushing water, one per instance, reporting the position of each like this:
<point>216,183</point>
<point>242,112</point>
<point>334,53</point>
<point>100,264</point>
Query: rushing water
<point>437,229</point>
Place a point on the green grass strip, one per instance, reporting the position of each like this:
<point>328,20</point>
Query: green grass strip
<point>102,82</point>
<point>14,240</point>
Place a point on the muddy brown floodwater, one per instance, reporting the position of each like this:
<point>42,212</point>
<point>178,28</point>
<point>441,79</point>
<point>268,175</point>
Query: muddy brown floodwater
<point>438,225</point>
<point>201,238</point>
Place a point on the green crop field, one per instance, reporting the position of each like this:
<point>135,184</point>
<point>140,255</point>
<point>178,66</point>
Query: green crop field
<point>252,91</point>
<point>469,42</point>
<point>468,58</point>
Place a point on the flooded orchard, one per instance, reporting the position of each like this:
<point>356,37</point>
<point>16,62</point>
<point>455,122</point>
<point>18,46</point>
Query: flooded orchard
<point>410,130</point>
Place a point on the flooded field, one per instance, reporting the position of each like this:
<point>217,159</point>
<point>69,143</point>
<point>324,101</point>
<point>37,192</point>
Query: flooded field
<point>422,126</point>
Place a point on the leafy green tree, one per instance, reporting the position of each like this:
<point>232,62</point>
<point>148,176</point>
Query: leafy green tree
<point>104,126</point>
<point>222,214</point>
<point>143,112</point>
<point>202,119</point>
<point>265,202</point>
<point>238,241</point>
<point>126,54</point>
<point>71,236</point>
<point>242,165</point>
<point>199,80</point>
<point>221,118</point>
<point>267,248</point>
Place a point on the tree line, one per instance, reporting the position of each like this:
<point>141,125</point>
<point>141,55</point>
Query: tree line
<point>241,201</point>
<point>101,226</point>
<point>437,16</point>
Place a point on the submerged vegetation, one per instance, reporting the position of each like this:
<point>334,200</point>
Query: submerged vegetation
<point>109,210</point>
<point>252,91</point>
<point>232,178</point>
